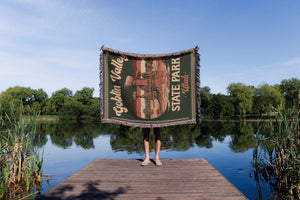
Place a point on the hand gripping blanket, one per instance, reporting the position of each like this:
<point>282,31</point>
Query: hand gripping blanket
<point>150,90</point>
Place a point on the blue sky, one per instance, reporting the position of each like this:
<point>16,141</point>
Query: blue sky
<point>53,44</point>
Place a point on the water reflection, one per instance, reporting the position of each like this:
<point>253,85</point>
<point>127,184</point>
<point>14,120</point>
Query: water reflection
<point>242,137</point>
<point>176,138</point>
<point>64,133</point>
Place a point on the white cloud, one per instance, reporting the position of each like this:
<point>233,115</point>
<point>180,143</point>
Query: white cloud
<point>291,62</point>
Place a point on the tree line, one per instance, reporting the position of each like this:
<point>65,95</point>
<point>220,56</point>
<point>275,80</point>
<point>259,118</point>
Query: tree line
<point>242,101</point>
<point>245,101</point>
<point>62,103</point>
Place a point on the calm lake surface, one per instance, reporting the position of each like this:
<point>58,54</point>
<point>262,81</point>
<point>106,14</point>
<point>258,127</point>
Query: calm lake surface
<point>227,145</point>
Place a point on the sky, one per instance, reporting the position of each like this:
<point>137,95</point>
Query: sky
<point>51,44</point>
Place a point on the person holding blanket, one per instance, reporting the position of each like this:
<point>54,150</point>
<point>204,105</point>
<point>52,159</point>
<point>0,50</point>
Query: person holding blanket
<point>157,147</point>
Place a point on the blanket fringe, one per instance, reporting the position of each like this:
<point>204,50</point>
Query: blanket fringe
<point>195,50</point>
<point>147,125</point>
<point>101,95</point>
<point>198,88</point>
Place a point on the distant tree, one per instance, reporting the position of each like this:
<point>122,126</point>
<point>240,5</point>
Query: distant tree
<point>266,97</point>
<point>91,105</point>
<point>93,110</point>
<point>85,95</point>
<point>11,97</point>
<point>205,96</point>
<point>40,99</point>
<point>241,97</point>
<point>58,99</point>
<point>25,96</point>
<point>72,109</point>
<point>291,90</point>
<point>221,106</point>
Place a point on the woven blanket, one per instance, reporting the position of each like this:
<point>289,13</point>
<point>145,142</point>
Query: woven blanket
<point>150,90</point>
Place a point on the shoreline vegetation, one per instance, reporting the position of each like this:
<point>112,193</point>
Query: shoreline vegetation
<point>276,157</point>
<point>21,162</point>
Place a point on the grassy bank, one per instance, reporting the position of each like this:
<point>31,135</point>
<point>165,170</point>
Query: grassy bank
<point>47,118</point>
<point>20,162</point>
<point>57,118</point>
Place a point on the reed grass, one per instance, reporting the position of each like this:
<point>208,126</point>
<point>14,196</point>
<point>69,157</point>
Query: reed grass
<point>277,156</point>
<point>21,163</point>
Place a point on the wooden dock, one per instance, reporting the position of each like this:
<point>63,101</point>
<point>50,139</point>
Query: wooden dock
<point>126,179</point>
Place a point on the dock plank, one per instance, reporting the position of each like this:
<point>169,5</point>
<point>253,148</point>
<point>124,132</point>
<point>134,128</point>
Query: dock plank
<point>125,179</point>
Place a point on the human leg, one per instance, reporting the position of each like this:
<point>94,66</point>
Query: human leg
<point>157,143</point>
<point>146,147</point>
<point>146,142</point>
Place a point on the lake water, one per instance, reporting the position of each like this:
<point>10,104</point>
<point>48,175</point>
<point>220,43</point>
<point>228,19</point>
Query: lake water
<point>68,147</point>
